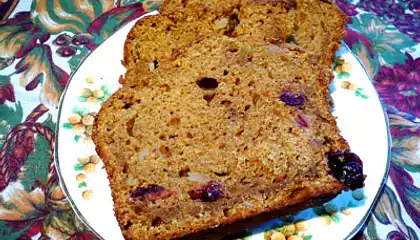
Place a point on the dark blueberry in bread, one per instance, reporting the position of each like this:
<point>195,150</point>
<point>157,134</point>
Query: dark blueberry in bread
<point>292,99</point>
<point>347,167</point>
<point>208,193</point>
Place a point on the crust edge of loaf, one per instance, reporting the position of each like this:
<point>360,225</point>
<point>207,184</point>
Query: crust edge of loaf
<point>235,227</point>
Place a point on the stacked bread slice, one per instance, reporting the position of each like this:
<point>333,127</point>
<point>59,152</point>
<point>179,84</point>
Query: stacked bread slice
<point>220,119</point>
<point>314,25</point>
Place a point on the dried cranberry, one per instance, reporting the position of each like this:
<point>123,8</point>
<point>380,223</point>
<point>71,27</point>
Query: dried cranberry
<point>208,193</point>
<point>151,193</point>
<point>292,99</point>
<point>347,167</point>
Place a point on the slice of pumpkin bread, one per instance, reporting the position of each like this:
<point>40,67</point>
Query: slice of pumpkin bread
<point>225,132</point>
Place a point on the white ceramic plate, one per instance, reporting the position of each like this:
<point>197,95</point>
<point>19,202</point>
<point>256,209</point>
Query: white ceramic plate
<point>361,120</point>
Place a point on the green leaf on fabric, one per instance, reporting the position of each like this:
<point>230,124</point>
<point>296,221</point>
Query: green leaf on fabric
<point>77,138</point>
<point>404,152</point>
<point>82,185</point>
<point>10,117</point>
<point>8,205</point>
<point>371,230</point>
<point>77,59</point>
<point>53,19</point>
<point>307,237</point>
<point>7,233</point>
<point>49,122</point>
<point>37,165</point>
<point>4,80</point>
<point>61,222</point>
<point>371,64</point>
<point>39,63</point>
<point>387,41</point>
<point>129,2</point>
<point>6,61</point>
<point>386,204</point>
<point>81,99</point>
<point>110,22</point>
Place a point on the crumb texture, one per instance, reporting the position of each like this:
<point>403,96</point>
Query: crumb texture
<point>226,130</point>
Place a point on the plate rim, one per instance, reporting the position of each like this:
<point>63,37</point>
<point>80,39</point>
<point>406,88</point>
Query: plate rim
<point>89,227</point>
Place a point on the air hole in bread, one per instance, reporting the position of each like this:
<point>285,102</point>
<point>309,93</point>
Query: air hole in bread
<point>127,105</point>
<point>173,136</point>
<point>189,135</point>
<point>247,107</point>
<point>221,174</point>
<point>164,151</point>
<point>233,50</point>
<point>232,23</point>
<point>156,222</point>
<point>184,172</point>
<point>238,81</point>
<point>153,25</point>
<point>226,212</point>
<point>207,83</point>
<point>290,38</point>
<point>125,167</point>
<point>130,125</point>
<point>155,64</point>
<point>127,225</point>
<point>261,21</point>
<point>239,133</point>
<point>226,102</point>
<point>327,140</point>
<point>209,97</point>
<point>251,83</point>
<point>225,72</point>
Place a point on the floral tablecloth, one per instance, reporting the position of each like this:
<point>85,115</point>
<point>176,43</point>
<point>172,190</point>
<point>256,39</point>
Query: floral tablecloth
<point>42,43</point>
